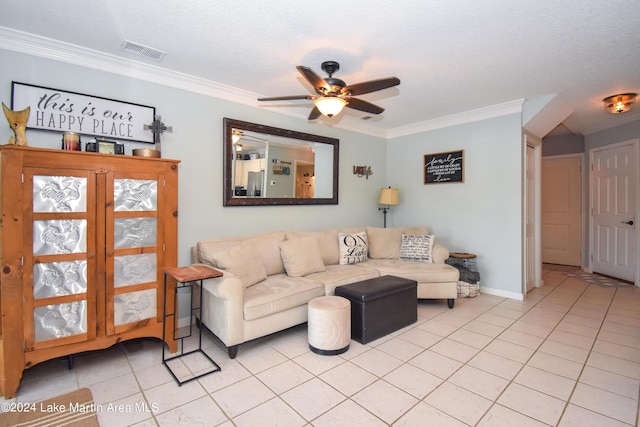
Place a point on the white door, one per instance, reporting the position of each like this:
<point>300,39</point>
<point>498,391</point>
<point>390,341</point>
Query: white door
<point>614,178</point>
<point>561,210</point>
<point>533,264</point>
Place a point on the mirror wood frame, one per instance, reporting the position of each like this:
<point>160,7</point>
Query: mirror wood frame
<point>228,190</point>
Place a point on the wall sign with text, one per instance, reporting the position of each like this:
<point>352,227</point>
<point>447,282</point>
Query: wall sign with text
<point>63,111</point>
<point>442,168</point>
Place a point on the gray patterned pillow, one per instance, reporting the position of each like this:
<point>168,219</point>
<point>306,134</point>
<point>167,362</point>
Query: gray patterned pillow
<point>417,247</point>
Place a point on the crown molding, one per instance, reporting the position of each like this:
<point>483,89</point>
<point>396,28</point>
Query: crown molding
<point>56,50</point>
<point>492,111</point>
<point>43,47</point>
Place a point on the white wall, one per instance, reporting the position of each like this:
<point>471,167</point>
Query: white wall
<point>197,141</point>
<point>483,215</point>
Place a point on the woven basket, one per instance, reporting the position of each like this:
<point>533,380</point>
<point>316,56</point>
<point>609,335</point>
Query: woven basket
<point>468,290</point>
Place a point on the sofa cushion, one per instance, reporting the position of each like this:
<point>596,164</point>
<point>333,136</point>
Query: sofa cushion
<point>301,256</point>
<point>266,245</point>
<point>338,275</point>
<point>353,247</point>
<point>242,261</point>
<point>327,242</point>
<point>278,293</point>
<point>421,272</point>
<point>417,247</point>
<point>384,243</point>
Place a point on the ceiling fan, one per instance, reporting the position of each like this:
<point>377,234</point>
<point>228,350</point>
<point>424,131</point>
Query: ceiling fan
<point>334,94</point>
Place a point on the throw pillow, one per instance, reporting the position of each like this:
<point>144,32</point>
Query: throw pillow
<point>384,243</point>
<point>243,262</point>
<point>353,247</point>
<point>417,247</point>
<point>301,256</point>
<point>327,242</point>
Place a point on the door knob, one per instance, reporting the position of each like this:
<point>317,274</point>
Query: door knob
<point>626,222</point>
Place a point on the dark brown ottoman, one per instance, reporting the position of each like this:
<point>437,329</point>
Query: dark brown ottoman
<point>380,306</point>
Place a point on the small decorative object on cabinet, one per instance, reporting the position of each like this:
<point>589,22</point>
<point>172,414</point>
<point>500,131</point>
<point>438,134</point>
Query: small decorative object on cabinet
<point>105,146</point>
<point>84,241</point>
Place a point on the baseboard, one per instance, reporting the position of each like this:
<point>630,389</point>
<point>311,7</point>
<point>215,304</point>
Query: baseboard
<point>501,293</point>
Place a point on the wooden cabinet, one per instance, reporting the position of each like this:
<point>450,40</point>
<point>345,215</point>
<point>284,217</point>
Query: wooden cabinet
<point>84,242</point>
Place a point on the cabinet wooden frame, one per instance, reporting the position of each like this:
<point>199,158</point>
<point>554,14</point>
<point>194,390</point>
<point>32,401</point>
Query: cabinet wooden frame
<point>19,349</point>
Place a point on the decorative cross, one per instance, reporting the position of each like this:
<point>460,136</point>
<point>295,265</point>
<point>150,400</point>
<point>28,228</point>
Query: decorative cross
<point>158,128</point>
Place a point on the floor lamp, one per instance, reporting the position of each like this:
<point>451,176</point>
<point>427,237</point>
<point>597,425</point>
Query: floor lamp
<point>388,197</point>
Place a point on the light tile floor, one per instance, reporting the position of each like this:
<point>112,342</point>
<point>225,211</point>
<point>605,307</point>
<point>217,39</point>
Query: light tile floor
<point>569,355</point>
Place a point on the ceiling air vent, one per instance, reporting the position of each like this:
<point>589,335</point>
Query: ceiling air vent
<point>142,50</point>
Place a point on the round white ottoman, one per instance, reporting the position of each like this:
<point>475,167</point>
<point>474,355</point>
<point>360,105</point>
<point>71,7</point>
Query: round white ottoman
<point>329,325</point>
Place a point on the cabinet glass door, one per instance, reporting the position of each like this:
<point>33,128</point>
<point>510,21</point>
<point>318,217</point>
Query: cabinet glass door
<point>133,234</point>
<point>61,218</point>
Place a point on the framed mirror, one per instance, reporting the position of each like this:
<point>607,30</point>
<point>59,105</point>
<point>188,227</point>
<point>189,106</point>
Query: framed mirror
<point>265,165</point>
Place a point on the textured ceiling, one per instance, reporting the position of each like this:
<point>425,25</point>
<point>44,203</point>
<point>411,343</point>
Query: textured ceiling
<point>451,56</point>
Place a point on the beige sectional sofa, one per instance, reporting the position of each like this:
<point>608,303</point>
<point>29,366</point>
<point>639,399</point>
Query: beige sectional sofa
<point>269,278</point>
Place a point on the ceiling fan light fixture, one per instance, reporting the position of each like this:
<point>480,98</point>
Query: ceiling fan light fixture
<point>620,103</point>
<point>330,105</point>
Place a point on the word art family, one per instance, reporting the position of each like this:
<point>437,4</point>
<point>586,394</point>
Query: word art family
<point>444,168</point>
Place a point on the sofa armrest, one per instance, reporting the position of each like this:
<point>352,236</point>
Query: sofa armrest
<point>440,254</point>
<point>223,308</point>
<point>227,286</point>
<point>195,259</point>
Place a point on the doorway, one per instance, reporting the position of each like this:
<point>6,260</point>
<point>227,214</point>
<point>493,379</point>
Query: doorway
<point>562,210</point>
<point>614,210</point>
<point>304,185</point>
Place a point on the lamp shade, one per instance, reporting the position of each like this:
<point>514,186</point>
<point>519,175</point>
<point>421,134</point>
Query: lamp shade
<point>388,196</point>
<point>330,105</point>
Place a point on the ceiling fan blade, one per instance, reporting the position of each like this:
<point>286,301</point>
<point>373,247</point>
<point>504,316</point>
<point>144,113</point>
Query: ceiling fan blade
<point>315,80</point>
<point>315,113</point>
<point>370,86</point>
<point>359,104</point>
<point>287,98</point>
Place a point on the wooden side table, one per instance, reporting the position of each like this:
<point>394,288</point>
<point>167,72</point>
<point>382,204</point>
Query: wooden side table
<point>185,278</point>
<point>462,255</point>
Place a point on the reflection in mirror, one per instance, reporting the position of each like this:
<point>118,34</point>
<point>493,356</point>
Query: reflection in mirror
<point>264,165</point>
